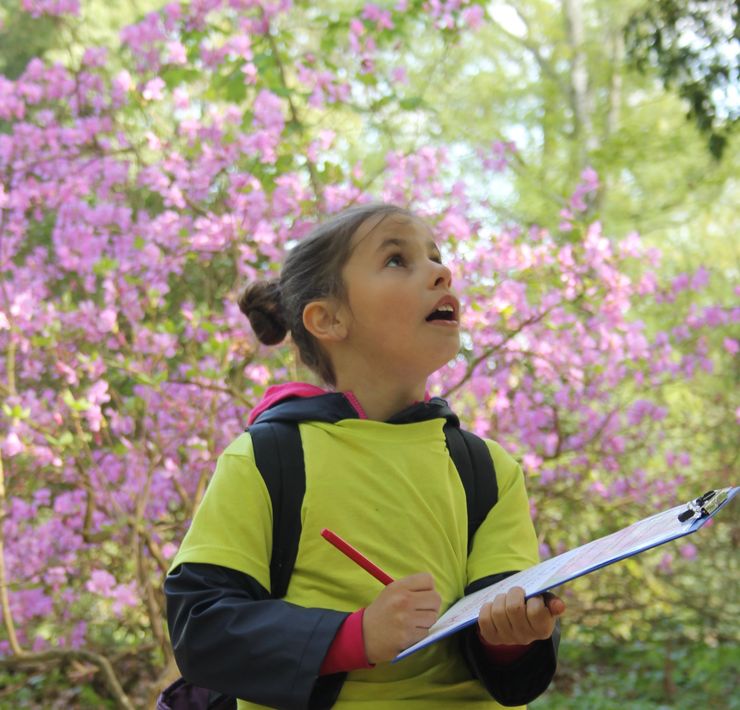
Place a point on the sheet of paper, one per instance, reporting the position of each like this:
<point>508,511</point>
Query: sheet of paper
<point>638,537</point>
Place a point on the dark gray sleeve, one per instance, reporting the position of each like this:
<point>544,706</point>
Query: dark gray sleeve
<point>229,636</point>
<point>521,681</point>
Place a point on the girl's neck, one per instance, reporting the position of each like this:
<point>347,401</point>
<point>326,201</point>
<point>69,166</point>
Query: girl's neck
<point>381,400</point>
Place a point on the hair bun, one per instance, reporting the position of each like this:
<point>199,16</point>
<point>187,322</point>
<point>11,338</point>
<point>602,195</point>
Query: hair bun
<point>260,302</point>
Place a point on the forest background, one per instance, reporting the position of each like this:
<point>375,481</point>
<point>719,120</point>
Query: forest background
<point>578,160</point>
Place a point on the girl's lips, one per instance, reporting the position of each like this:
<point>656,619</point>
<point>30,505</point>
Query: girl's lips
<point>444,323</point>
<point>450,301</point>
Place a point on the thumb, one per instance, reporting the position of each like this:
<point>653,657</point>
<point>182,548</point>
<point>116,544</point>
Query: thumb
<point>555,605</point>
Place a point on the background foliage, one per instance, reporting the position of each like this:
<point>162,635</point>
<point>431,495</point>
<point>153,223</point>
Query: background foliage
<point>154,158</point>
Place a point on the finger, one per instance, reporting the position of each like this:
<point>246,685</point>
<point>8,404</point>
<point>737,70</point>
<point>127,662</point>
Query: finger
<point>501,620</point>
<point>432,601</point>
<point>432,610</point>
<point>516,611</point>
<point>541,621</point>
<point>420,582</point>
<point>430,597</point>
<point>424,620</point>
<point>537,613</point>
<point>486,625</point>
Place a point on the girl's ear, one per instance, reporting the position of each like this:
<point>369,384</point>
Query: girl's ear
<point>325,320</point>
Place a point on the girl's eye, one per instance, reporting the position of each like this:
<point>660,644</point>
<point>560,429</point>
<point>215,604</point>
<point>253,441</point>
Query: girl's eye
<point>396,259</point>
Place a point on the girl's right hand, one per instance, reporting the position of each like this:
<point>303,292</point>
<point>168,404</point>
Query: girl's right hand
<point>400,616</point>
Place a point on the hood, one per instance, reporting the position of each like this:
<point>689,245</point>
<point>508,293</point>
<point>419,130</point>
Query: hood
<point>300,401</point>
<point>280,393</point>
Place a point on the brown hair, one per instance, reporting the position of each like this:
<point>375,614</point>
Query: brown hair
<point>312,271</point>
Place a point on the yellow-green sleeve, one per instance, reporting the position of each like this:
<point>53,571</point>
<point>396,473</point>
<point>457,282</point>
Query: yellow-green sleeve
<point>506,540</point>
<point>232,526</point>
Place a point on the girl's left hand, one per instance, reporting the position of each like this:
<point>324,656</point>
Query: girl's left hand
<point>510,620</point>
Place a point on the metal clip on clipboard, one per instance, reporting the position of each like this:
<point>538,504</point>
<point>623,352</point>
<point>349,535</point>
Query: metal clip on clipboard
<point>704,505</point>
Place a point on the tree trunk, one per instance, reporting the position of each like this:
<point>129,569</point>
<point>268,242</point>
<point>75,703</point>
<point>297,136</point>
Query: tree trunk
<point>615,81</point>
<point>580,97</point>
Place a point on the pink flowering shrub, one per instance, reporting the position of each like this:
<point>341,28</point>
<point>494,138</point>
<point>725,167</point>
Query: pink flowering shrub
<point>134,204</point>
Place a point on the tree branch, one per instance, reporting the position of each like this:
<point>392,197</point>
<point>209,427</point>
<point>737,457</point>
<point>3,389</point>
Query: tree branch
<point>488,352</point>
<point>60,656</point>
<point>4,599</point>
<point>312,172</point>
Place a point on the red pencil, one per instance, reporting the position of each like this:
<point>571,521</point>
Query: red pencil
<point>356,556</point>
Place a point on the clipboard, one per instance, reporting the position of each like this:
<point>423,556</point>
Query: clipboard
<point>643,535</point>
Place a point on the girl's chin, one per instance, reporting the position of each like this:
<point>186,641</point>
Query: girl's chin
<point>445,359</point>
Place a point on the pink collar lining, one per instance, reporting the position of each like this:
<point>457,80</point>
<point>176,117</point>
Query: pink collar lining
<point>277,393</point>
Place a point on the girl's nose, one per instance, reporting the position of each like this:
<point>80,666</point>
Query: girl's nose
<point>442,275</point>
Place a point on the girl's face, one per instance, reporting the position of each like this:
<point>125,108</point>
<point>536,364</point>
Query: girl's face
<point>403,319</point>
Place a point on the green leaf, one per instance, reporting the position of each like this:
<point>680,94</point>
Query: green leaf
<point>120,449</point>
<point>235,88</point>
<point>19,412</point>
<point>105,265</point>
<point>282,91</point>
<point>411,102</point>
<point>174,76</point>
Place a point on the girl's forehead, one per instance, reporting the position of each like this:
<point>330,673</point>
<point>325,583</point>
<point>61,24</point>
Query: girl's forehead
<point>379,227</point>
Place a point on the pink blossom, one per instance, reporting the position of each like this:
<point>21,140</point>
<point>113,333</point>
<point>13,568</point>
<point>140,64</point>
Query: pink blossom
<point>241,46</point>
<point>98,393</point>
<point>257,373</point>
<point>680,283</point>
<point>175,53</point>
<point>498,158</point>
<point>23,305</point>
<point>714,316</point>
<point>731,346</point>
<point>700,279</point>
<point>399,75</point>
<point>631,245</point>
<point>666,563</point>
<point>250,73</point>
<point>95,57</point>
<point>600,489</point>
<point>55,576</point>
<point>473,17</point>
<point>588,185</point>
<point>268,111</point>
<point>648,284</point>
<point>454,226</point>
<point>169,550</point>
<point>153,89</point>
<point>77,637</point>
<point>107,321</point>
<point>12,446</point>
<point>51,7</point>
<point>381,18</point>
<point>101,582</point>
<point>124,596</point>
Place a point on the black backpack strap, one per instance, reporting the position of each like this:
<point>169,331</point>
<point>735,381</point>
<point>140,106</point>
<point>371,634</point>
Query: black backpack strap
<point>278,454</point>
<point>473,461</point>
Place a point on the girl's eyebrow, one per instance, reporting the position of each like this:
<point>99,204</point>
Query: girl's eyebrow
<point>400,242</point>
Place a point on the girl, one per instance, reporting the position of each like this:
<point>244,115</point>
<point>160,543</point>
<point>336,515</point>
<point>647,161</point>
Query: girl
<point>369,305</point>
